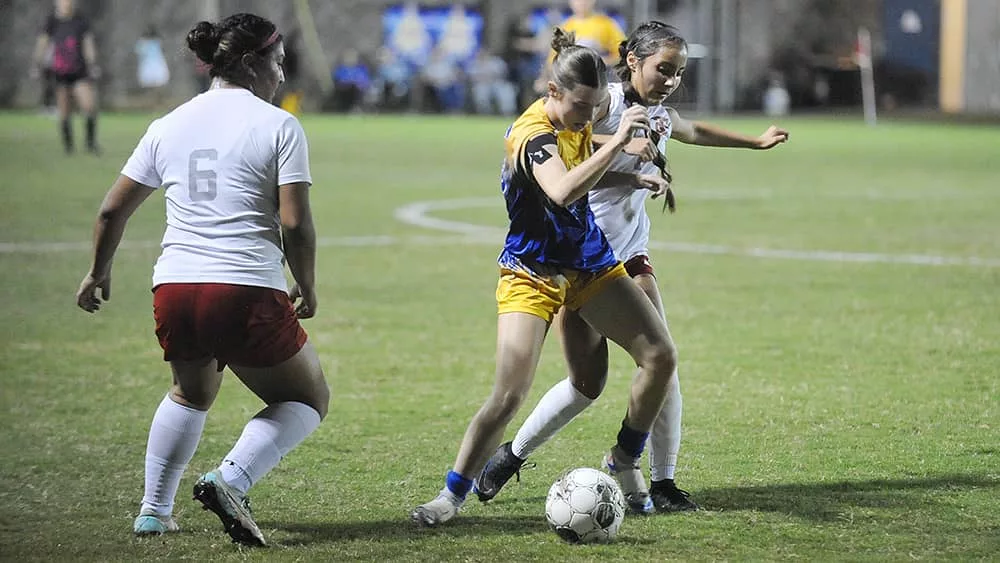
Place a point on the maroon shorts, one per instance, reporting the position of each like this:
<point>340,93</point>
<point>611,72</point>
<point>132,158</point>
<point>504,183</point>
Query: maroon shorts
<point>236,324</point>
<point>638,265</point>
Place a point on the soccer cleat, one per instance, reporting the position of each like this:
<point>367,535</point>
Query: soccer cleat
<point>153,525</point>
<point>668,498</point>
<point>502,465</point>
<point>232,509</point>
<point>437,511</point>
<point>633,484</point>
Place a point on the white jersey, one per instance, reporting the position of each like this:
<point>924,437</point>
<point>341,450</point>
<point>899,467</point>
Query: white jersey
<point>621,212</point>
<point>220,158</point>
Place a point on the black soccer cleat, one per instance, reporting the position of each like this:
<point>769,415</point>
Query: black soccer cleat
<point>502,465</point>
<point>668,498</point>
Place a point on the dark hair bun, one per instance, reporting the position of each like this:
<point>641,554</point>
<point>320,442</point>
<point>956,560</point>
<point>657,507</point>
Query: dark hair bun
<point>203,39</point>
<point>562,39</point>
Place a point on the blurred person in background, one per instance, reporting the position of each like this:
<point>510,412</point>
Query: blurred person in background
<point>594,29</point>
<point>351,81</point>
<point>74,68</point>
<point>393,80</point>
<point>443,77</point>
<point>490,84</point>
<point>153,72</point>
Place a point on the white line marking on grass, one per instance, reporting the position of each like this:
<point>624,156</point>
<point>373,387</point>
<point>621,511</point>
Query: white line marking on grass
<point>417,214</point>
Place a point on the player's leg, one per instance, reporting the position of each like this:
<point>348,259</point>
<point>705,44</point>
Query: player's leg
<point>586,353</point>
<point>297,397</point>
<point>620,310</point>
<point>86,99</point>
<point>269,352</point>
<point>665,437</point>
<point>64,111</point>
<point>180,418</point>
<point>520,336</point>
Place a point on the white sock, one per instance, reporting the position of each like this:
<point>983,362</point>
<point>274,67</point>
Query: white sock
<point>665,438</point>
<point>267,438</point>
<point>560,405</point>
<point>173,438</point>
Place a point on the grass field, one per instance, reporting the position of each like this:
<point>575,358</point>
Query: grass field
<point>836,303</point>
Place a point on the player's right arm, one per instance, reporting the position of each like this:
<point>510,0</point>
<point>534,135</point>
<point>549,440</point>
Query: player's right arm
<point>121,201</point>
<point>563,186</point>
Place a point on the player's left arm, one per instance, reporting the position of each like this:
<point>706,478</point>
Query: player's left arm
<point>121,201</point>
<point>709,135</point>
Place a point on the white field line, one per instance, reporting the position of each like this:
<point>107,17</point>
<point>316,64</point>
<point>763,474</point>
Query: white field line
<point>418,214</point>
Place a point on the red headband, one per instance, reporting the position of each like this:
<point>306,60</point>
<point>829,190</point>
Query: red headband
<point>270,40</point>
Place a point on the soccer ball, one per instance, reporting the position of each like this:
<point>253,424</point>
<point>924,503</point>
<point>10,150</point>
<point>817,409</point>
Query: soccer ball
<point>585,506</point>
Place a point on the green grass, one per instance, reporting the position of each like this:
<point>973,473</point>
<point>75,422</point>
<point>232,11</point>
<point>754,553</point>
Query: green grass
<point>833,410</point>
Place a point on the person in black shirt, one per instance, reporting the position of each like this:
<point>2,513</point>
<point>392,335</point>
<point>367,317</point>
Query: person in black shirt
<point>73,65</point>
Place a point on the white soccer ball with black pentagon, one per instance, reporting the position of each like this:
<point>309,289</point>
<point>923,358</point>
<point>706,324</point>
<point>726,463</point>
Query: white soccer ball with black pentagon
<point>585,506</point>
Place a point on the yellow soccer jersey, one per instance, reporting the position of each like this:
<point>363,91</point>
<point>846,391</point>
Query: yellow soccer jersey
<point>598,32</point>
<point>543,235</point>
<point>574,146</point>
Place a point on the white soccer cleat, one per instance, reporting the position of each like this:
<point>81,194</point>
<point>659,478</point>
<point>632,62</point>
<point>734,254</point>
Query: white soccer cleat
<point>149,524</point>
<point>627,472</point>
<point>437,511</point>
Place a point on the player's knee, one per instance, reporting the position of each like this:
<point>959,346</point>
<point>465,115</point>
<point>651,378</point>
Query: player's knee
<point>321,399</point>
<point>191,398</point>
<point>660,359</point>
<point>504,405</point>
<point>590,385</point>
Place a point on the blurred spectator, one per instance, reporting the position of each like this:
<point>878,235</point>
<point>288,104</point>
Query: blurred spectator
<point>444,79</point>
<point>351,80</point>
<point>776,98</point>
<point>153,72</point>
<point>489,82</point>
<point>527,51</point>
<point>594,29</point>
<point>392,80</point>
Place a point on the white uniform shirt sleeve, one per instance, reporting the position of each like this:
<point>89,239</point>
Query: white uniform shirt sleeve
<point>293,154</point>
<point>141,166</point>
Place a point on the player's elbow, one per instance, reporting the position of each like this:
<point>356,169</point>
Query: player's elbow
<point>562,197</point>
<point>110,213</point>
<point>298,230</point>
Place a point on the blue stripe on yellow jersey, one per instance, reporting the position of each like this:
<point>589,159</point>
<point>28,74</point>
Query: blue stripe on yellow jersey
<point>543,235</point>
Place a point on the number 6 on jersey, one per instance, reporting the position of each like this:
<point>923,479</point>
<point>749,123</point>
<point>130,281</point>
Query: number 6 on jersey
<point>207,190</point>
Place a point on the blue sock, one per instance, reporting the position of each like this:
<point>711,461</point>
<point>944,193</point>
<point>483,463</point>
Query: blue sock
<point>458,485</point>
<point>631,442</point>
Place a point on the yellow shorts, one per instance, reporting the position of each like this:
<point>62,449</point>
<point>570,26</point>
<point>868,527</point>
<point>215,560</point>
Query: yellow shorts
<point>520,291</point>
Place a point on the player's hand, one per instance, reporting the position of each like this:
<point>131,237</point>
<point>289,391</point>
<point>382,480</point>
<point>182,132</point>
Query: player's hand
<point>86,296</point>
<point>635,118</point>
<point>643,147</point>
<point>654,183</point>
<point>772,137</point>
<point>306,306</point>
